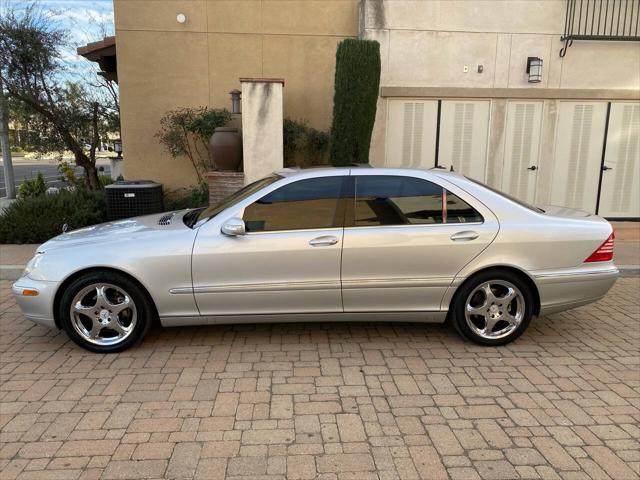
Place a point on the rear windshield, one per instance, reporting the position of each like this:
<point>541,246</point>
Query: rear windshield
<point>507,196</point>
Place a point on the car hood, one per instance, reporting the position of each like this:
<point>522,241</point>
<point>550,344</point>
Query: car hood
<point>127,229</point>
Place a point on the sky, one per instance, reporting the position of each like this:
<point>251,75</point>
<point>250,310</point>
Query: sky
<point>85,20</point>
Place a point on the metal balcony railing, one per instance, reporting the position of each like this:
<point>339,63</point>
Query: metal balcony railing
<point>615,20</point>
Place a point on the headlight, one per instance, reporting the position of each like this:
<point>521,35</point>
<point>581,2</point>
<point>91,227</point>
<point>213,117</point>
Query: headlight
<point>33,264</point>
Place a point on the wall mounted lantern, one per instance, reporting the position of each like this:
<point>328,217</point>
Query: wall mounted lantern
<point>117,147</point>
<point>236,104</point>
<point>181,18</point>
<point>534,69</point>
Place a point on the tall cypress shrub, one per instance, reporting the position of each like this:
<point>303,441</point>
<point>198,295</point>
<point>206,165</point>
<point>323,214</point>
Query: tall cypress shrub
<point>354,101</point>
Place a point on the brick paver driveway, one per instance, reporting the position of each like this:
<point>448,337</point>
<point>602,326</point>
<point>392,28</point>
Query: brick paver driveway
<point>336,401</point>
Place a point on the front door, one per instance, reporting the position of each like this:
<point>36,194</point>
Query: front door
<point>405,240</point>
<point>287,262</point>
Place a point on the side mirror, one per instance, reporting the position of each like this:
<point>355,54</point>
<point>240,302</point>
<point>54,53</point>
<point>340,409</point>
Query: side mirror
<point>234,227</point>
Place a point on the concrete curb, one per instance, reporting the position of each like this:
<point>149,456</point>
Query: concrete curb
<point>629,270</point>
<point>13,272</point>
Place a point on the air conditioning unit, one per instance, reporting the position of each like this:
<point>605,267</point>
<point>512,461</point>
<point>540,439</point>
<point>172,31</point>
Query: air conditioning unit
<point>132,198</point>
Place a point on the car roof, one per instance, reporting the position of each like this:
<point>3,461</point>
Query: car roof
<point>293,171</point>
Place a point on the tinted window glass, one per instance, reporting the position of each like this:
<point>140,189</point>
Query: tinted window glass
<point>241,194</point>
<point>459,211</point>
<point>391,200</point>
<point>306,204</point>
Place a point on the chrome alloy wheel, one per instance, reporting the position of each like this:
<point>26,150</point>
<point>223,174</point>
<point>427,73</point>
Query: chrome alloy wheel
<point>494,309</point>
<point>103,314</point>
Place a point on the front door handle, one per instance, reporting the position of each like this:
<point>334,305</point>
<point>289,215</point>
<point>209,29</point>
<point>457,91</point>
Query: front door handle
<point>323,241</point>
<point>465,236</point>
<point>532,167</point>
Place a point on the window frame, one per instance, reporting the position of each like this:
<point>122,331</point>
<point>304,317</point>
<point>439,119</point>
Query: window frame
<point>349,221</point>
<point>339,213</point>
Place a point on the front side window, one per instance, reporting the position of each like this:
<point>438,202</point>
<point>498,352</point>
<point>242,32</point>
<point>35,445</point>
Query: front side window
<point>396,200</point>
<point>200,216</point>
<point>303,205</point>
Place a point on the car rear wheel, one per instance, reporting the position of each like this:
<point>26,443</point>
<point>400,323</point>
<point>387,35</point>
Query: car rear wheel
<point>493,308</point>
<point>105,312</point>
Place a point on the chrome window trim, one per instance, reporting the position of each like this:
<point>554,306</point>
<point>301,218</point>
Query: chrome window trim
<point>413,225</point>
<point>338,229</point>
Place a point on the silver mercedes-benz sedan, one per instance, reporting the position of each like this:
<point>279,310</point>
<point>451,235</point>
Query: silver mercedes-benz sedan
<point>322,245</point>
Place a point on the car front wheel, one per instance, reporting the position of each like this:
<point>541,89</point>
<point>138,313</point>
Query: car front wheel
<point>493,308</point>
<point>105,312</point>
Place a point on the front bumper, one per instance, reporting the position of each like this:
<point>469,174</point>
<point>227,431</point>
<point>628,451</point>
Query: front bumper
<point>569,288</point>
<point>39,308</point>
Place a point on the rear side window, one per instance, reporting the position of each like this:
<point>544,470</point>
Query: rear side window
<point>306,204</point>
<point>397,200</point>
<point>459,211</point>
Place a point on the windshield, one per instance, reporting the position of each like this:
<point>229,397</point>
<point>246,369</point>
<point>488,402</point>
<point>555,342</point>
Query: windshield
<point>507,196</point>
<point>205,214</point>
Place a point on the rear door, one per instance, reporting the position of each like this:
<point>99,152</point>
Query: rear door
<point>405,240</point>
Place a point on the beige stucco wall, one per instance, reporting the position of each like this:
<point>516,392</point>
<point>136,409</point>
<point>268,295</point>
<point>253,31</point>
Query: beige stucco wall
<point>428,43</point>
<point>163,64</point>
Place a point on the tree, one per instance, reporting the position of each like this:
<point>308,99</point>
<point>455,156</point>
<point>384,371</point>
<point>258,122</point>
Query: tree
<point>64,113</point>
<point>4,143</point>
<point>357,82</point>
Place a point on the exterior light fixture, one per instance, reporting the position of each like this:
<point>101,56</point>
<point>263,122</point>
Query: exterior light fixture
<point>117,147</point>
<point>534,69</point>
<point>181,18</point>
<point>236,105</point>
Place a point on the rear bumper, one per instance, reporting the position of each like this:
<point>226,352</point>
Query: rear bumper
<point>569,288</point>
<point>38,309</point>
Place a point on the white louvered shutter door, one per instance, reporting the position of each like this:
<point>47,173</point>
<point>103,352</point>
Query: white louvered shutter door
<point>522,144</point>
<point>411,133</point>
<point>464,128</point>
<point>620,193</point>
<point>578,153</point>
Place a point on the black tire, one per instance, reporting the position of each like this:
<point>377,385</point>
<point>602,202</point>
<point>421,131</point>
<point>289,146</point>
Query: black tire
<point>459,302</point>
<point>144,310</point>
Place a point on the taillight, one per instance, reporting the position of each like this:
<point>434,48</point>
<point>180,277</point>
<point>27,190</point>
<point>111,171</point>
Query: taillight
<point>604,253</point>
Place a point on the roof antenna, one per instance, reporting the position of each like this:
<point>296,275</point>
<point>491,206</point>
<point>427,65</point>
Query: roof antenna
<point>451,169</point>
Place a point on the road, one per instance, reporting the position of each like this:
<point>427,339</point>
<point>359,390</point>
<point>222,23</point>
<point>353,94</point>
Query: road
<point>30,170</point>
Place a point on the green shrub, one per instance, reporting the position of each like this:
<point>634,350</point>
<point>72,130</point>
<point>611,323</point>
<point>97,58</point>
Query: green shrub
<point>190,197</point>
<point>303,145</point>
<point>357,82</point>
<point>293,139</point>
<point>33,187</point>
<point>37,219</point>
<point>105,179</point>
<point>67,173</point>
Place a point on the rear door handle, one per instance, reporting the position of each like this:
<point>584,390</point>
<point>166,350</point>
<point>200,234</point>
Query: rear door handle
<point>465,236</point>
<point>323,241</point>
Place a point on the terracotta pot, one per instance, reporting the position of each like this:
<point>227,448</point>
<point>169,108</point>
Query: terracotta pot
<point>225,146</point>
